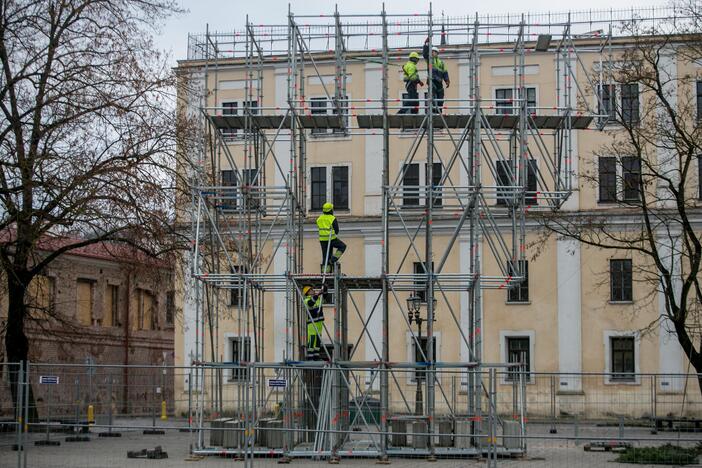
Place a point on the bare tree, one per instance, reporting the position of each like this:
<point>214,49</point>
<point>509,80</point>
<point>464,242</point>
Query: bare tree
<point>650,171</point>
<point>87,139</point>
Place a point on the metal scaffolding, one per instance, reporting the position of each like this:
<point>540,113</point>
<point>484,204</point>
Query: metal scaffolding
<point>242,226</point>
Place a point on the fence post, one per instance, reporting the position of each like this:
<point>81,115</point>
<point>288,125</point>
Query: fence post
<point>654,409</point>
<point>19,407</point>
<point>26,411</point>
<point>553,405</point>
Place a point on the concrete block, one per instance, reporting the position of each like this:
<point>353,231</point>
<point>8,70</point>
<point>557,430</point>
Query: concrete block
<point>462,428</point>
<point>274,434</point>
<point>399,426</point>
<point>511,432</point>
<point>233,438</point>
<point>445,428</point>
<point>419,438</point>
<point>216,434</point>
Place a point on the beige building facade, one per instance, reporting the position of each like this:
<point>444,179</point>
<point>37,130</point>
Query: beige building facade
<point>581,310</point>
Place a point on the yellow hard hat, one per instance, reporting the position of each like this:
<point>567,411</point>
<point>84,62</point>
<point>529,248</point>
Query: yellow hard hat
<point>327,208</point>
<point>306,289</point>
<point>414,55</point>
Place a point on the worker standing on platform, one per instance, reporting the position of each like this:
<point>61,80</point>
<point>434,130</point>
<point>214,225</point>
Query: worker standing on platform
<point>439,75</point>
<point>315,320</point>
<point>411,79</point>
<point>332,247</point>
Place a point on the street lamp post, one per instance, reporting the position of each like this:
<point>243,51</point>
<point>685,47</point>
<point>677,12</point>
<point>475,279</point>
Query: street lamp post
<point>414,303</point>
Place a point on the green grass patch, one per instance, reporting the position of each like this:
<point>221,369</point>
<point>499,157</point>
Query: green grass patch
<point>664,455</point>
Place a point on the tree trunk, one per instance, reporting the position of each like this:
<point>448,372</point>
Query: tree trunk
<point>16,342</point>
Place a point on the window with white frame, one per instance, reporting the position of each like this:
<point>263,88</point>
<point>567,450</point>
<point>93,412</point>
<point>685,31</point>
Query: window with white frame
<point>239,352</point>
<point>619,102</point>
<point>698,95</point>
<point>518,352</point>
<point>228,178</point>
<point>237,108</point>
<point>505,103</point>
<point>337,190</point>
<point>619,182</point>
<point>630,103</point>
<point>519,292</point>
<point>420,354</point>
<point>622,357</point>
<point>607,102</point>
<point>504,180</point>
<point>420,284</point>
<point>250,179</point>
<point>621,280</point>
<point>413,179</point>
<point>327,106</point>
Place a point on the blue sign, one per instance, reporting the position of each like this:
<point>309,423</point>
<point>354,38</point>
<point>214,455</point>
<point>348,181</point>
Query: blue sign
<point>277,383</point>
<point>49,379</point>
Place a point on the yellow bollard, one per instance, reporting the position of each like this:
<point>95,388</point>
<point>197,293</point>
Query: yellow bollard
<point>91,414</point>
<point>164,416</point>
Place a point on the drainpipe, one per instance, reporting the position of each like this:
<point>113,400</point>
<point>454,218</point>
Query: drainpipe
<point>125,379</point>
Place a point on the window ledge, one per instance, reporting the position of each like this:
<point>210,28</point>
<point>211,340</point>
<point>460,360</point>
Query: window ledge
<point>517,303</point>
<point>620,302</point>
<point>622,382</point>
<point>330,137</point>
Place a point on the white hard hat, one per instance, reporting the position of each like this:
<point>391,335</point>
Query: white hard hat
<point>435,49</point>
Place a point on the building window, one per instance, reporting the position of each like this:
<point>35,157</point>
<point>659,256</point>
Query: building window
<point>518,351</point>
<point>111,316</point>
<point>437,172</point>
<point>170,307</point>
<point>631,176</point>
<point>318,106</point>
<point>503,101</point>
<point>229,108</point>
<point>236,285</point>
<point>504,182</point>
<point>250,179</point>
<point>519,292</point>
<point>85,298</point>
<point>413,183</point>
<point>608,103</point>
<point>420,284</point>
<point>229,179</point>
<point>699,176</point>
<point>340,187</point>
<point>630,103</point>
<point>410,185</point>
<point>623,358</point>
<point>422,354</point>
<point>531,100</point>
<point>607,168</point>
<point>324,106</point>
<point>699,101</point>
<point>621,280</point>
<point>318,188</point>
<point>146,317</point>
<point>240,347</point>
<point>337,192</point>
<point>504,104</point>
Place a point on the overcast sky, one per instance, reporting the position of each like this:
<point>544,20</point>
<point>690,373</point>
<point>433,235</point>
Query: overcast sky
<point>228,15</point>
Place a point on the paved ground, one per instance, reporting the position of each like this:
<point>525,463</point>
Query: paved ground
<point>544,450</point>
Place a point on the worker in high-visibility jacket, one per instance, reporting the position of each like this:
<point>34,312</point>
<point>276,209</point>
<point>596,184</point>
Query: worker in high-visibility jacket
<point>410,75</point>
<point>332,247</point>
<point>315,320</point>
<point>439,75</point>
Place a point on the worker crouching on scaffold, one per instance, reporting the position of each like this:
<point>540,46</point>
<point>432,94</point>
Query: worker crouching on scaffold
<point>332,247</point>
<point>315,321</point>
